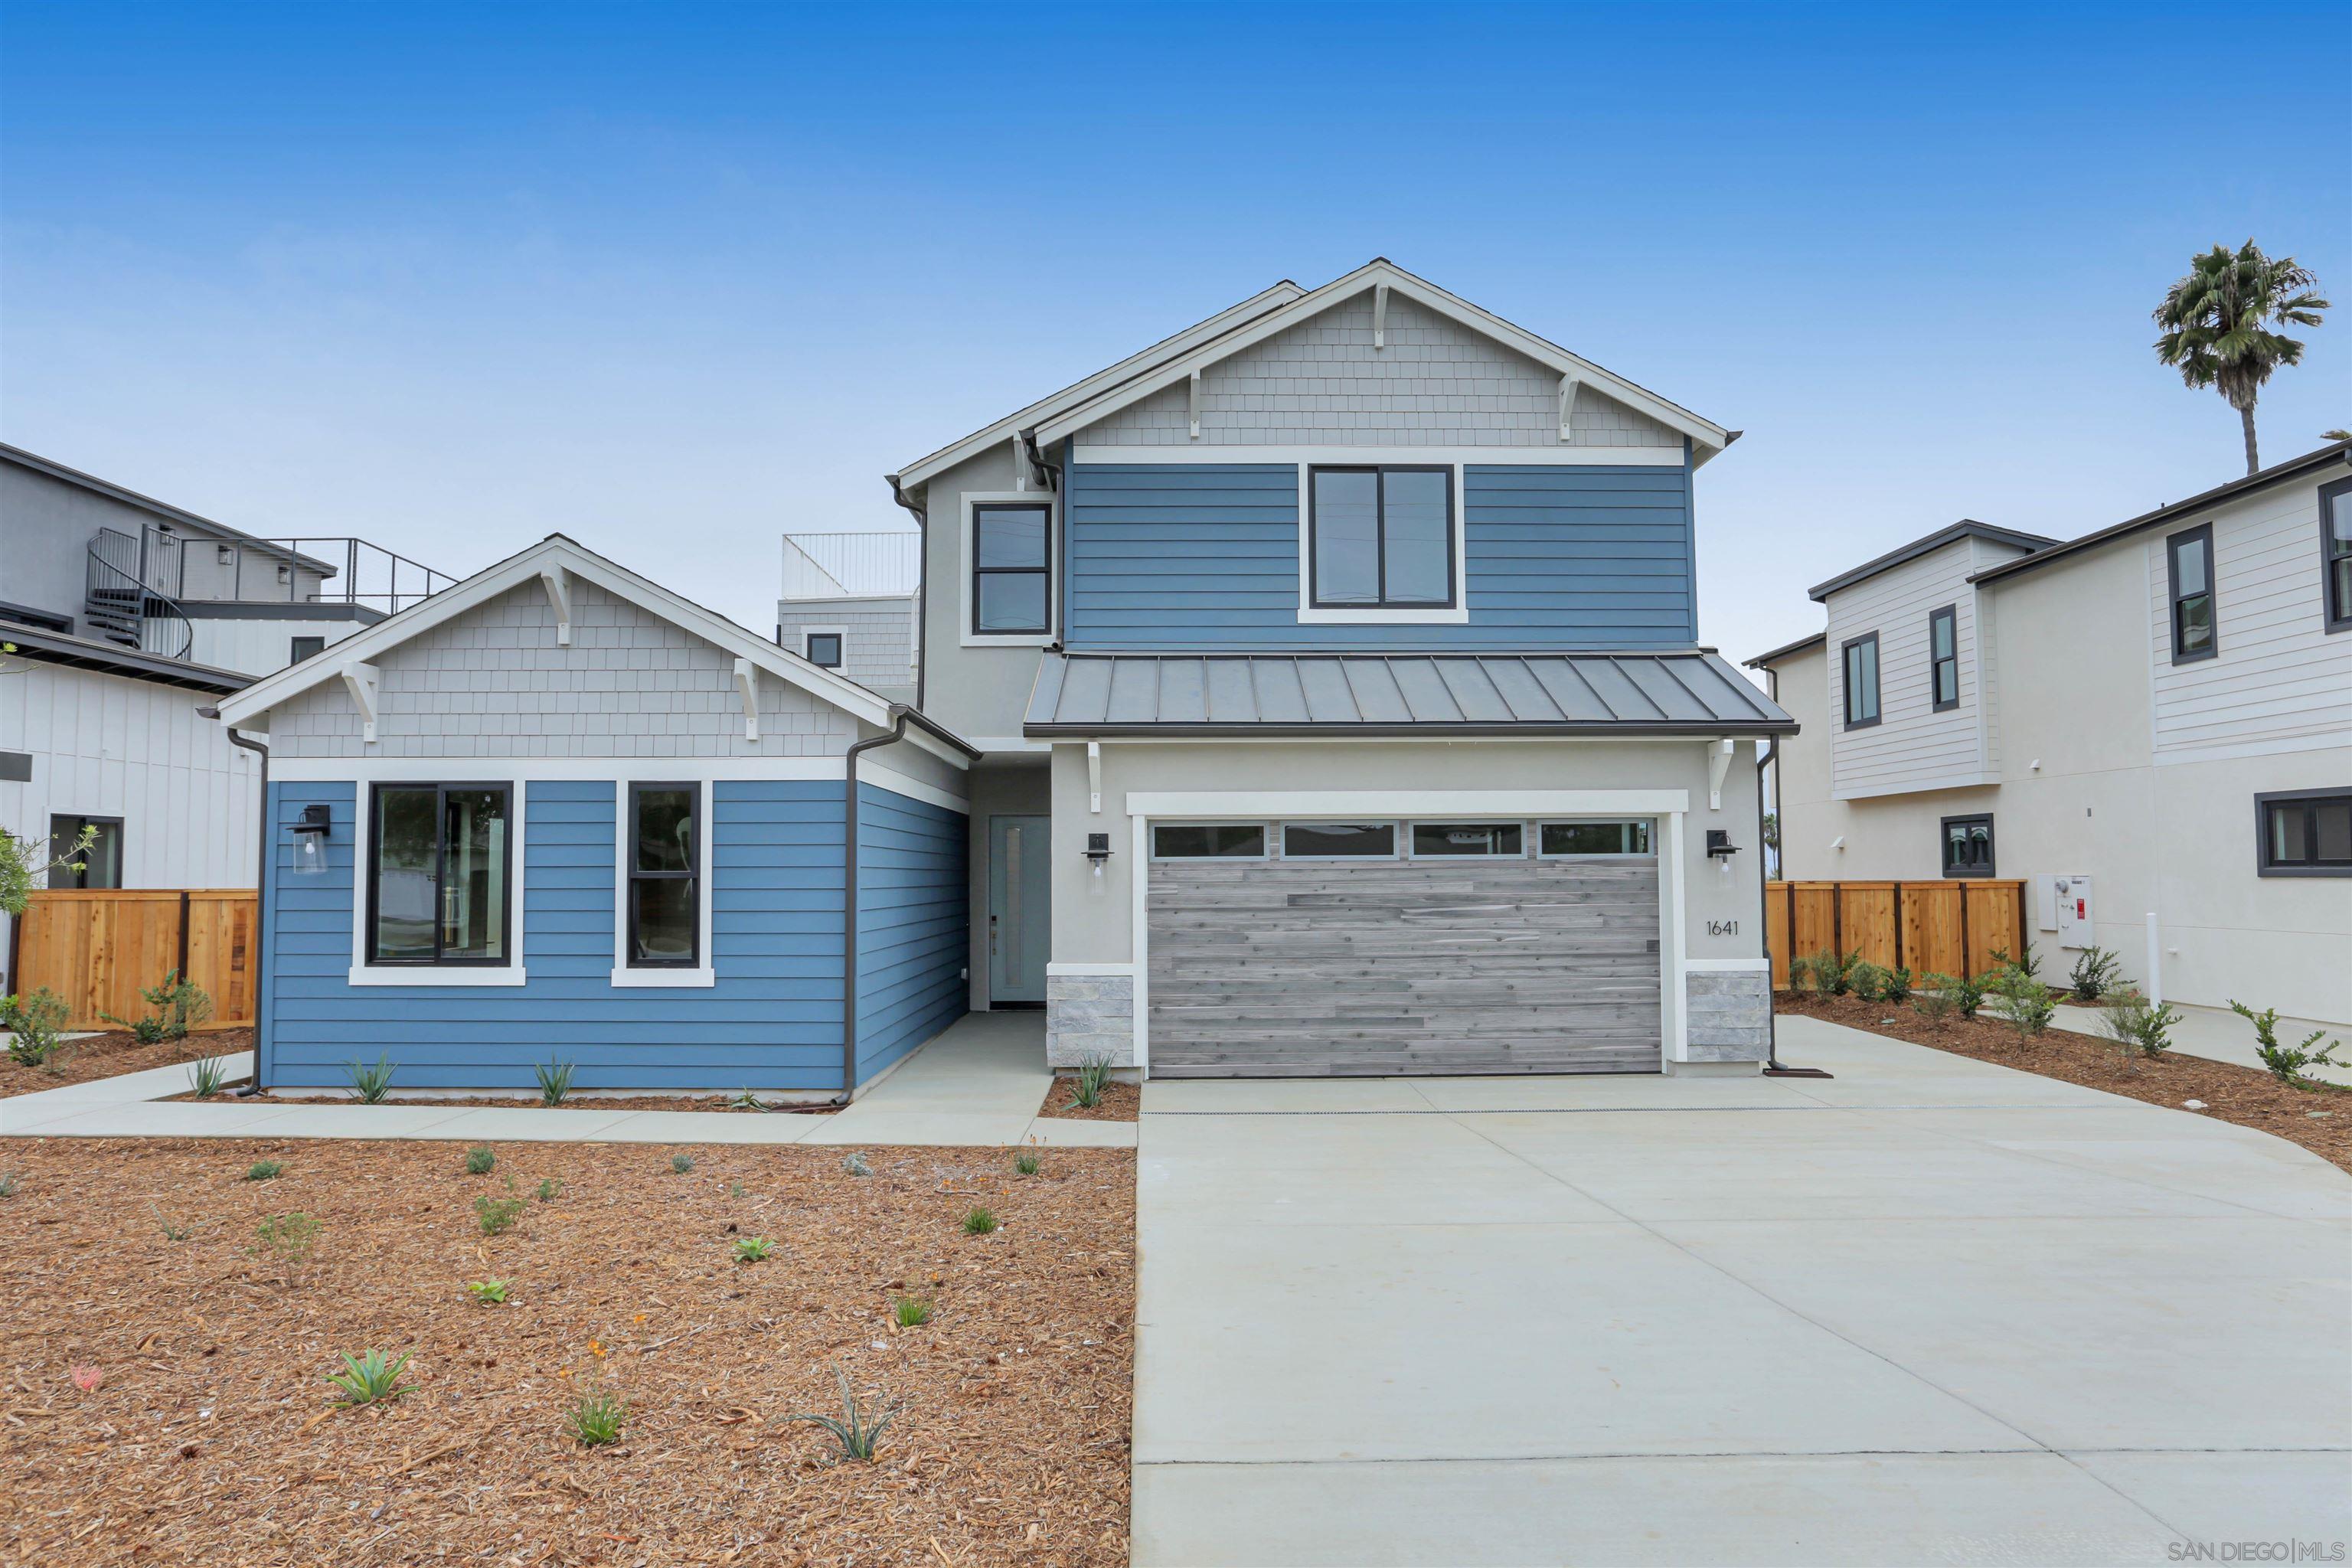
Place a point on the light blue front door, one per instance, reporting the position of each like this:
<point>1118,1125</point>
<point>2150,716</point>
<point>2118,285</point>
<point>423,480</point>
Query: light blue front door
<point>1019,908</point>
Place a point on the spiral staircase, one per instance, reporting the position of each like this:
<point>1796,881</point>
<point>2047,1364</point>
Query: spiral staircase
<point>129,594</point>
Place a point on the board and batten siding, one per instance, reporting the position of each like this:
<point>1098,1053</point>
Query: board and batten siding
<point>1912,747</point>
<point>1205,556</point>
<point>2279,682</point>
<point>773,1021</point>
<point>913,924</point>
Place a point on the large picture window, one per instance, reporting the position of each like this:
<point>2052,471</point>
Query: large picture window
<point>664,867</point>
<point>440,880</point>
<point>1010,593</point>
<point>1944,658</point>
<point>1967,846</point>
<point>99,866</point>
<point>1382,538</point>
<point>2335,553</point>
<point>1861,657</point>
<point>2304,833</point>
<point>2190,559</point>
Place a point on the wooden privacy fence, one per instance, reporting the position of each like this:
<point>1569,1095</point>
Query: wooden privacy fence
<point>97,949</point>
<point>1945,928</point>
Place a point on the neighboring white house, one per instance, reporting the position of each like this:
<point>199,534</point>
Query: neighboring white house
<point>2152,720</point>
<point>848,605</point>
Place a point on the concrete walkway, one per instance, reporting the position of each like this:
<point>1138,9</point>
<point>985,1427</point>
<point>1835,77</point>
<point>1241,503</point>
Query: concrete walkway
<point>2220,1034</point>
<point>1931,1310</point>
<point>979,1083</point>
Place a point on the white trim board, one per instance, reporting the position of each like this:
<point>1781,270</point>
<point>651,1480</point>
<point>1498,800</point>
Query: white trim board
<point>842,632</point>
<point>884,777</point>
<point>1340,805</point>
<point>584,770</point>
<point>1388,452</point>
<point>484,771</point>
<point>1457,613</point>
<point>625,977</point>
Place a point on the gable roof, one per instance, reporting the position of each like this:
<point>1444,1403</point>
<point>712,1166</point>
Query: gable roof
<point>1706,435</point>
<point>164,510</point>
<point>1785,649</point>
<point>1967,528</point>
<point>2339,454</point>
<point>558,553</point>
<point>915,475</point>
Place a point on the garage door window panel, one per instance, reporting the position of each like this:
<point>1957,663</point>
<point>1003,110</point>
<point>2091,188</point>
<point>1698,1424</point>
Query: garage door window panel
<point>1435,839</point>
<point>1207,841</point>
<point>1580,840</point>
<point>1338,841</point>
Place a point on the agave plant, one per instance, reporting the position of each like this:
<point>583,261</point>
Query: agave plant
<point>371,1084</point>
<point>370,1379</point>
<point>858,1428</point>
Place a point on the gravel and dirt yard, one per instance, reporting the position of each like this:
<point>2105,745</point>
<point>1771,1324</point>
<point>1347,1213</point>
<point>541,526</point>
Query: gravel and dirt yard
<point>2319,1118</point>
<point>113,1053</point>
<point>162,1392</point>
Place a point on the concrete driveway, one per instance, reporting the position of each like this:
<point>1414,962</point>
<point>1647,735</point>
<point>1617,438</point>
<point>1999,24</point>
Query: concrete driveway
<point>1930,1311</point>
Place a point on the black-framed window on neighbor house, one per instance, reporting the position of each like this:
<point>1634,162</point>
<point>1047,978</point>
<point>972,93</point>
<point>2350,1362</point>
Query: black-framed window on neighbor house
<point>99,865</point>
<point>2189,561</point>
<point>665,876</point>
<point>1944,658</point>
<point>299,649</point>
<point>2335,553</point>
<point>1860,657</point>
<point>1380,538</point>
<point>823,649</point>
<point>440,874</point>
<point>2304,833</point>
<point>1967,846</point>
<point>1011,588</point>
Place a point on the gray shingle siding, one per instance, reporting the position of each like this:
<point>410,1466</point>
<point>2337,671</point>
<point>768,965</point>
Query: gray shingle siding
<point>880,637</point>
<point>493,683</point>
<point>1321,383</point>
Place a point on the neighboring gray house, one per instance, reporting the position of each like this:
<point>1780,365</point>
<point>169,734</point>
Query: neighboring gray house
<point>848,605</point>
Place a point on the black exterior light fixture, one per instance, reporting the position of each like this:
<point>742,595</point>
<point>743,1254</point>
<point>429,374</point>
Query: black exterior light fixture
<point>1098,850</point>
<point>1718,842</point>
<point>310,840</point>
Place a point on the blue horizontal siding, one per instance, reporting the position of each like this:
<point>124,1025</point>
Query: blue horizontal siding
<point>913,915</point>
<point>774,1021</point>
<point>1205,556</point>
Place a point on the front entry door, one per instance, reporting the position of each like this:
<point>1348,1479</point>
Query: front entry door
<point>1020,908</point>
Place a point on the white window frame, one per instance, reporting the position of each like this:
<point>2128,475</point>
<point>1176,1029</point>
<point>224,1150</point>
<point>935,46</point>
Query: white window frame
<point>1654,825</point>
<point>497,770</point>
<point>1397,837</point>
<point>1455,615</point>
<point>973,499</point>
<point>841,632</point>
<point>624,977</point>
<point>1413,853</point>
<point>1266,831</point>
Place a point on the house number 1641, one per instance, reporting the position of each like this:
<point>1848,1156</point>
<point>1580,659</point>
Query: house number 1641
<point>1723,928</point>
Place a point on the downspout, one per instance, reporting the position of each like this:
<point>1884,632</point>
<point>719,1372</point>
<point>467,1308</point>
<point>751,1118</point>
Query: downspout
<point>260,896</point>
<point>1057,558</point>
<point>923,584</point>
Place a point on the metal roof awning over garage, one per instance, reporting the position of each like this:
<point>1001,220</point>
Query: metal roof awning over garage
<point>1426,695</point>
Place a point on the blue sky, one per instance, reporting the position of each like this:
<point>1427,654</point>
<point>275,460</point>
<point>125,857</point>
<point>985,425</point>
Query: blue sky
<point>675,278</point>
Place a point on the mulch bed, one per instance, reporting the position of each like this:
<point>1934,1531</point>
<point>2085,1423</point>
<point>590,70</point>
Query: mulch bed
<point>1120,1101</point>
<point>211,1437</point>
<point>114,1052</point>
<point>532,1101</point>
<point>2231,1093</point>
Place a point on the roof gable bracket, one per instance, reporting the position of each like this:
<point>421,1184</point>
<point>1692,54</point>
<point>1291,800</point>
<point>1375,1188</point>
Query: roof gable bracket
<point>1192,402</point>
<point>1569,387</point>
<point>1380,315</point>
<point>1718,763</point>
<point>747,681</point>
<point>558,584</point>
<point>365,684</point>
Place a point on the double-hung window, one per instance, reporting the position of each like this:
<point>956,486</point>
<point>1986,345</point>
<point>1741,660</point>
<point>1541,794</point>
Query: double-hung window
<point>2304,833</point>
<point>664,863</point>
<point>1011,591</point>
<point>2335,553</point>
<point>1944,658</point>
<point>440,880</point>
<point>97,865</point>
<point>1861,657</point>
<point>2189,558</point>
<point>1967,846</point>
<point>1380,538</point>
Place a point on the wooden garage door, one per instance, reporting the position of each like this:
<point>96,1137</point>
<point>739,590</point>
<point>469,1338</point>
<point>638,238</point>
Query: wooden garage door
<point>1302,969</point>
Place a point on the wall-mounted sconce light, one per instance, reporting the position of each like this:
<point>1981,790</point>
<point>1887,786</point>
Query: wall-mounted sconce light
<point>223,554</point>
<point>284,573</point>
<point>310,841</point>
<point>1098,850</point>
<point>1718,842</point>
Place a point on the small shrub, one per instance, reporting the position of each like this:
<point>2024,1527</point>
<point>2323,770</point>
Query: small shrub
<point>979,1222</point>
<point>2287,1062</point>
<point>2136,1025</point>
<point>855,1165</point>
<point>497,1213</point>
<point>1933,1000</point>
<point>681,1164</point>
<point>2028,963</point>
<point>2098,976</point>
<point>179,1006</point>
<point>1896,988</point>
<point>170,1232</point>
<point>371,1084</point>
<point>1867,982</point>
<point>370,1379</point>
<point>753,1248</point>
<point>912,1312</point>
<point>488,1293</point>
<point>2019,1001</point>
<point>205,1076</point>
<point>1827,972</point>
<point>478,1161</point>
<point>289,1238</point>
<point>1026,1162</point>
<point>554,1082</point>
<point>548,1188</point>
<point>857,1430</point>
<point>1087,1088</point>
<point>264,1171</point>
<point>36,1026</point>
<point>596,1417</point>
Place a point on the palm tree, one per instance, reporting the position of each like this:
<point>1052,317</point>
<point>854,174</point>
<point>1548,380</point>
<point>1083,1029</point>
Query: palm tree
<point>2217,325</point>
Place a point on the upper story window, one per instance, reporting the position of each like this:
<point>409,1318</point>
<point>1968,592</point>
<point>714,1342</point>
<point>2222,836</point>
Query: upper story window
<point>1944,658</point>
<point>2335,552</point>
<point>1011,544</point>
<point>97,865</point>
<point>1861,656</point>
<point>1380,538</point>
<point>2304,833</point>
<point>2189,558</point>
<point>823,649</point>
<point>440,883</point>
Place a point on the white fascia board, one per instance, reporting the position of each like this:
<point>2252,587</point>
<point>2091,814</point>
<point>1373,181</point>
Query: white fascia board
<point>551,555</point>
<point>1428,295</point>
<point>922,469</point>
<point>882,776</point>
<point>1466,457</point>
<point>1396,803</point>
<point>539,770</point>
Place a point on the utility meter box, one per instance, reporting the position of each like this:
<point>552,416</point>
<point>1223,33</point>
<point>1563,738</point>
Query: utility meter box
<point>2076,912</point>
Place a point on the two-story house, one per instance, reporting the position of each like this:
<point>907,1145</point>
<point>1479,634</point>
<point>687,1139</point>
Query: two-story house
<point>1315,692</point>
<point>2151,723</point>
